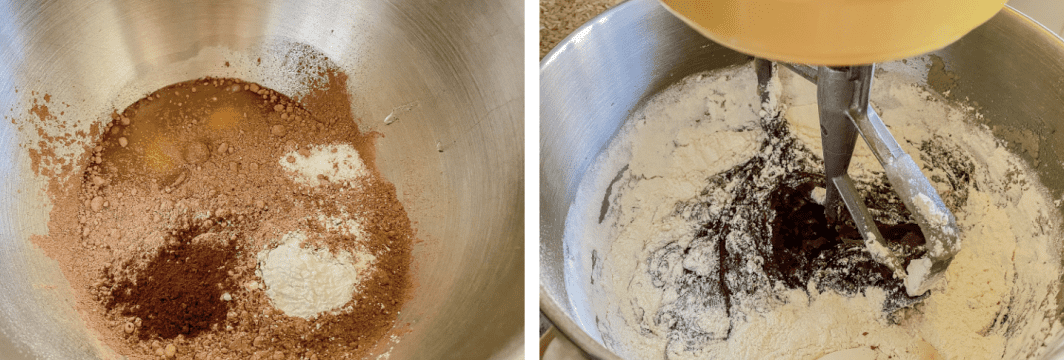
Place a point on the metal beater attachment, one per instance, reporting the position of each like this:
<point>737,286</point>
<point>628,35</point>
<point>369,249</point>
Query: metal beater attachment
<point>842,98</point>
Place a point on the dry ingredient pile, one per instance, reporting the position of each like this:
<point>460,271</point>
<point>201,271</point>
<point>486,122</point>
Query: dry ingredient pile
<point>219,219</point>
<point>700,233</point>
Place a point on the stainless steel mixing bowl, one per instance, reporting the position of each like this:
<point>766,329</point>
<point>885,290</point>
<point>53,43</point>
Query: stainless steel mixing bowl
<point>455,155</point>
<point>1011,67</point>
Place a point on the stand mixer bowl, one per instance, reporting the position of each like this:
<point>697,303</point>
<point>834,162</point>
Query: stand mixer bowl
<point>452,158</point>
<point>1008,68</point>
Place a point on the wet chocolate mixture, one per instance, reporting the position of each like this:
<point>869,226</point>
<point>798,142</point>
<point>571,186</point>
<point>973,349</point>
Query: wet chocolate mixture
<point>787,234</point>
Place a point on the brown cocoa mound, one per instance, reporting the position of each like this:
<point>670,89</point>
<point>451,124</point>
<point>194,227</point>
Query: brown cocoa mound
<point>180,291</point>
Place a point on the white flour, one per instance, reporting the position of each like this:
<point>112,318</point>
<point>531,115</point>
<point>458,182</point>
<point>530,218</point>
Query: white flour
<point>305,282</point>
<point>651,282</point>
<point>336,163</point>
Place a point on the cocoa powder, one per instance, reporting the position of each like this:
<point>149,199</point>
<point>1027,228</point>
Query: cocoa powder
<point>180,291</point>
<point>161,233</point>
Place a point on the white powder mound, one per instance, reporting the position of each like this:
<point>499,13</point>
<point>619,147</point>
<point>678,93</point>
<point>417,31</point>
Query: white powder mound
<point>305,282</point>
<point>642,279</point>
<point>336,163</point>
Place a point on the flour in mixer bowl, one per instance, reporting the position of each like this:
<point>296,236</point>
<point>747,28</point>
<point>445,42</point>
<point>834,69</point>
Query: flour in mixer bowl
<point>706,244</point>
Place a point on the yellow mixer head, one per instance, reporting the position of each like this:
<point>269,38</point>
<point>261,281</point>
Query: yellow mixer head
<point>834,32</point>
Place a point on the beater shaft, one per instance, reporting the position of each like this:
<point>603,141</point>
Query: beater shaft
<point>842,98</point>
<point>834,95</point>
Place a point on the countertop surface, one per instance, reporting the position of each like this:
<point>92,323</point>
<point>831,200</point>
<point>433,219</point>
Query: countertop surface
<point>558,18</point>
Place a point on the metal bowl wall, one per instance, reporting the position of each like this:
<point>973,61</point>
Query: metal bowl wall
<point>455,158</point>
<point>1011,67</point>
